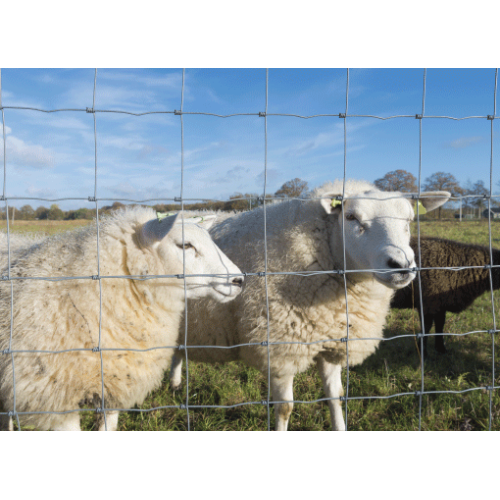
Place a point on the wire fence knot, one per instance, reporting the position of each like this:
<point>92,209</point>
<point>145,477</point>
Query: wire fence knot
<point>489,388</point>
<point>90,110</point>
<point>98,410</point>
<point>178,199</point>
<point>418,116</point>
<point>264,402</point>
<point>179,276</point>
<point>265,343</point>
<point>182,406</point>
<point>492,332</point>
<point>92,198</point>
<point>342,115</point>
<point>177,112</point>
<point>490,117</point>
<point>2,197</point>
<point>96,349</point>
<point>10,414</point>
<point>488,266</point>
<point>6,351</point>
<point>418,393</point>
<point>95,277</point>
<point>181,347</point>
<point>5,278</point>
<point>344,339</point>
<point>262,113</point>
<point>261,273</point>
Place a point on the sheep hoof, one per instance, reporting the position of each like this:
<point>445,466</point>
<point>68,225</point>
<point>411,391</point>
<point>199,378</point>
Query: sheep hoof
<point>175,387</point>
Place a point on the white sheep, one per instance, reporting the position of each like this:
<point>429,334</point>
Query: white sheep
<point>307,236</point>
<point>137,314</point>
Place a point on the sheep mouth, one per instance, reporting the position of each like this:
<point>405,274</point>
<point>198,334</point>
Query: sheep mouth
<point>395,280</point>
<point>230,290</point>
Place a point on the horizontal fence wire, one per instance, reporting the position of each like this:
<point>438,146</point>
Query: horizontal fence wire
<point>340,274</point>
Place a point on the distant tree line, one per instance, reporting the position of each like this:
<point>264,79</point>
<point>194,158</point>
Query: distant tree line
<point>401,180</point>
<point>238,202</point>
<point>397,180</point>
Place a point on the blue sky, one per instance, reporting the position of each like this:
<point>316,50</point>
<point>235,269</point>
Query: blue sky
<point>52,155</point>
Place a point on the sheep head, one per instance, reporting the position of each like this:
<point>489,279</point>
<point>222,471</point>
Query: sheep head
<point>377,233</point>
<point>163,238</point>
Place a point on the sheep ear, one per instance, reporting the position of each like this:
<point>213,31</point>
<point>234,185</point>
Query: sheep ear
<point>155,230</point>
<point>433,199</point>
<point>330,203</point>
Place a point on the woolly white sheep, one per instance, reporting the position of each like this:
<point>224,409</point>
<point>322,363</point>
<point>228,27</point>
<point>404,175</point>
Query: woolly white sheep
<point>136,314</point>
<point>307,236</point>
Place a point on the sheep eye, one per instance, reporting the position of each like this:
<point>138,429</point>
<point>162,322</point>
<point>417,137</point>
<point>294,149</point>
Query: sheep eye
<point>350,217</point>
<point>187,246</point>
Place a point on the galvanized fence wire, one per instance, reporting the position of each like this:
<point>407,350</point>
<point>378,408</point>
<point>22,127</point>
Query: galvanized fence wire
<point>264,200</point>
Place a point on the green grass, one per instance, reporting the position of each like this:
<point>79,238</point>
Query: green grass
<point>46,227</point>
<point>394,368</point>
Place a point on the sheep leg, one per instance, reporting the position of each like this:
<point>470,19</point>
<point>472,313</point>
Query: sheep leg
<point>111,421</point>
<point>69,422</point>
<point>428,320</point>
<point>6,423</point>
<point>331,375</point>
<point>439,324</point>
<point>282,390</point>
<point>176,373</point>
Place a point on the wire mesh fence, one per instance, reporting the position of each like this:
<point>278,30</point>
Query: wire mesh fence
<point>269,343</point>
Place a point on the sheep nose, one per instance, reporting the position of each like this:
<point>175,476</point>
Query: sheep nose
<point>237,281</point>
<point>396,265</point>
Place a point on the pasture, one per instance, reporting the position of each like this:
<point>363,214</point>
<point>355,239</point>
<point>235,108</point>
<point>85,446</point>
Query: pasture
<point>395,368</point>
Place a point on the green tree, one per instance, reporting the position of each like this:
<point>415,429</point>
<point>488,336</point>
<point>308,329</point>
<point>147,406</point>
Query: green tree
<point>26,212</point>
<point>55,213</point>
<point>41,213</point>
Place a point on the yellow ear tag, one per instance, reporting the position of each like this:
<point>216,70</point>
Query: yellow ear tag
<point>421,209</point>
<point>336,203</point>
<point>198,217</point>
<point>162,216</point>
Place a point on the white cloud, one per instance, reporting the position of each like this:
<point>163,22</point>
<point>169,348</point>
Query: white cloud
<point>126,190</point>
<point>23,154</point>
<point>37,192</point>
<point>464,142</point>
<point>169,81</point>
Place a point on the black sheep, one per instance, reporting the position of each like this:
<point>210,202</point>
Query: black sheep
<point>444,290</point>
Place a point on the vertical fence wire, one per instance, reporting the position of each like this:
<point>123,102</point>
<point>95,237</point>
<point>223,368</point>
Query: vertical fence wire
<point>4,191</point>
<point>184,251</point>
<point>343,247</point>
<point>102,409</point>
<point>422,321</point>
<point>493,332</point>
<point>265,258</point>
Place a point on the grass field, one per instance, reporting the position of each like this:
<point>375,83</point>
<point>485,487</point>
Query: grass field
<point>47,227</point>
<point>394,368</point>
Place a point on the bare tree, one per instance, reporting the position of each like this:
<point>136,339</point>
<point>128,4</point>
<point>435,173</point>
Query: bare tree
<point>397,180</point>
<point>443,181</point>
<point>293,189</point>
<point>481,191</point>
